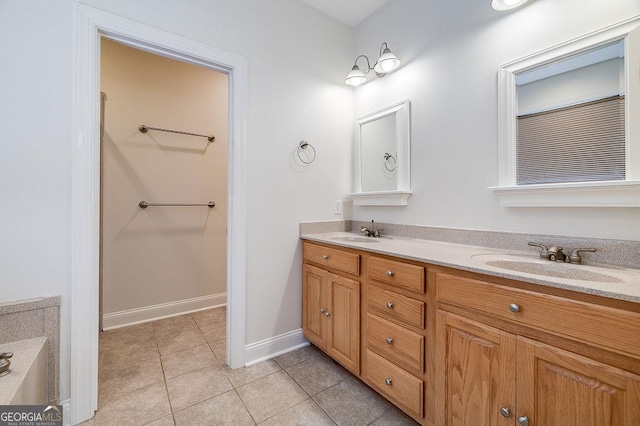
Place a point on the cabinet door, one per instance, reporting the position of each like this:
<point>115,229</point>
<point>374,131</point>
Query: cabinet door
<point>475,373</point>
<point>314,304</point>
<point>556,387</point>
<point>343,337</point>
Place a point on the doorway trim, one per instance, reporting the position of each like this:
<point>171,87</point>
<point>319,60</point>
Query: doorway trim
<point>90,26</point>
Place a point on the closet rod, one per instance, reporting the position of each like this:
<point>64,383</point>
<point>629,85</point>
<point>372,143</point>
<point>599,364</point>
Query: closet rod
<point>145,129</point>
<point>143,204</point>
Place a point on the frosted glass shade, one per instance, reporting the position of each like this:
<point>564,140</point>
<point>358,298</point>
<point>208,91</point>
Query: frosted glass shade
<point>355,77</point>
<point>386,63</point>
<point>502,5</point>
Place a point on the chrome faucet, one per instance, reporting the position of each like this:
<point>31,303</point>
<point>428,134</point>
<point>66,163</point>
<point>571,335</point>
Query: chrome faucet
<point>5,363</point>
<point>371,232</point>
<point>556,254</point>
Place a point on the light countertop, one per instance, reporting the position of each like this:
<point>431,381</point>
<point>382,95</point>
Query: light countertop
<point>607,281</point>
<point>25,353</point>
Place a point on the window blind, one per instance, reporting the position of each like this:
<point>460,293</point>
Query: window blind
<point>579,143</point>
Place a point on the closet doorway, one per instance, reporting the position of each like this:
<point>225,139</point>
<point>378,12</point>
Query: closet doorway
<point>92,26</point>
<point>162,267</point>
<point>163,225</point>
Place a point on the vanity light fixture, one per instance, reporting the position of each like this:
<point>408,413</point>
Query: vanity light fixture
<point>504,5</point>
<point>386,63</point>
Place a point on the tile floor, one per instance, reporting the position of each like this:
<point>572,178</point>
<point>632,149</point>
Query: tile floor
<point>173,372</point>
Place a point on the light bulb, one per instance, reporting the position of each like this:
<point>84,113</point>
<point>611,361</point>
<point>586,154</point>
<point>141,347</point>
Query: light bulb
<point>387,62</point>
<point>355,77</point>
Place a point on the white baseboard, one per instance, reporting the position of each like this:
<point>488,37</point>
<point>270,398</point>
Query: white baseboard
<point>271,348</point>
<point>164,310</point>
<point>66,412</point>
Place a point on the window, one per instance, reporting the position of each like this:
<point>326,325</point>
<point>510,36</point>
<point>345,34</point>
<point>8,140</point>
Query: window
<point>555,146</point>
<point>565,139</point>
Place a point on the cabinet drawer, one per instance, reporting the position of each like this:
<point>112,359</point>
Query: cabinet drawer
<point>610,328</point>
<point>395,306</point>
<point>396,273</point>
<point>395,383</point>
<point>332,258</point>
<point>396,342</point>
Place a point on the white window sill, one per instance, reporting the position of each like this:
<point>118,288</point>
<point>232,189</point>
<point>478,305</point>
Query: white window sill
<point>580,194</point>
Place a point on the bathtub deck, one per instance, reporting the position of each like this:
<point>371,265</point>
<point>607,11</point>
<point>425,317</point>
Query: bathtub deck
<point>27,382</point>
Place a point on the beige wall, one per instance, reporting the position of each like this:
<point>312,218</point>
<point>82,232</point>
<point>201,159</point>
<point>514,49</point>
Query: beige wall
<point>162,254</point>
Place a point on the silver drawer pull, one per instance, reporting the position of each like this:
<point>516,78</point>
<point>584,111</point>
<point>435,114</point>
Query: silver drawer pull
<point>389,340</point>
<point>387,382</point>
<point>514,307</point>
<point>322,311</point>
<point>389,273</point>
<point>325,257</point>
<point>505,412</point>
<point>523,420</point>
<point>390,305</point>
<point>327,314</point>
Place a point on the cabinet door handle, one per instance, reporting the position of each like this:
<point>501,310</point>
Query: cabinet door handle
<point>523,420</point>
<point>387,382</point>
<point>390,305</point>
<point>505,412</point>
<point>322,311</point>
<point>327,314</point>
<point>389,340</point>
<point>389,273</point>
<point>325,257</point>
<point>514,307</point>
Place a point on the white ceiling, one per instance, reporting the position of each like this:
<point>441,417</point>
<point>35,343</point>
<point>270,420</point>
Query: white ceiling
<point>351,12</point>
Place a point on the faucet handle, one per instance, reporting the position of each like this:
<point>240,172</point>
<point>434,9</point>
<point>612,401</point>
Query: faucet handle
<point>575,257</point>
<point>365,231</point>
<point>544,250</point>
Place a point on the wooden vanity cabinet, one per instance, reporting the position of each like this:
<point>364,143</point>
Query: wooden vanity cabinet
<point>557,387</point>
<point>393,343</point>
<point>514,373</point>
<point>475,373</point>
<point>331,304</point>
<point>456,348</point>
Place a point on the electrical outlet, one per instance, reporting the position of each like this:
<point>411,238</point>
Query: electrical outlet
<point>338,207</point>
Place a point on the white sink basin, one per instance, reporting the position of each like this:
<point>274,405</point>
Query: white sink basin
<point>550,268</point>
<point>356,239</point>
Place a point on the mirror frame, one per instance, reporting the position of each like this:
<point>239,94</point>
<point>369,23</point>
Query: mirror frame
<point>399,196</point>
<point>573,194</point>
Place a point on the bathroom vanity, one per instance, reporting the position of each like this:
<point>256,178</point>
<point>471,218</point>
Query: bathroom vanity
<point>450,338</point>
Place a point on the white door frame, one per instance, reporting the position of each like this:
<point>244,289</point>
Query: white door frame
<point>91,26</point>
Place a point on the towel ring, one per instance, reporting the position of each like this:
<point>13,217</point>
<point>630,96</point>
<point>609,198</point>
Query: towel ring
<point>303,145</point>
<point>386,162</point>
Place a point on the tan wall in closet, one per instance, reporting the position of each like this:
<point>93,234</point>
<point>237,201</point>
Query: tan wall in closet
<point>162,254</point>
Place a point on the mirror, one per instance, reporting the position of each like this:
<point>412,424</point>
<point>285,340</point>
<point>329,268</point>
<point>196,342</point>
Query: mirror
<point>378,155</point>
<point>382,169</point>
<point>564,112</point>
